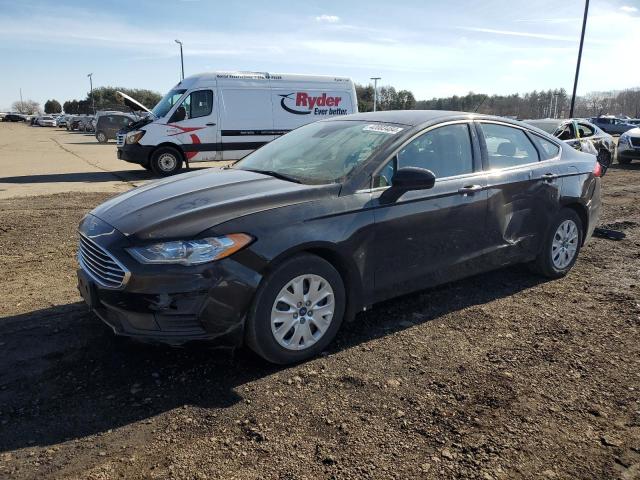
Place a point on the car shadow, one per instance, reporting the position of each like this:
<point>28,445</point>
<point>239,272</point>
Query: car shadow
<point>65,376</point>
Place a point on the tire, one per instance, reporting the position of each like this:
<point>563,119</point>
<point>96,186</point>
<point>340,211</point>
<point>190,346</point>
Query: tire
<point>166,161</point>
<point>305,325</point>
<point>623,161</point>
<point>102,137</point>
<point>561,245</point>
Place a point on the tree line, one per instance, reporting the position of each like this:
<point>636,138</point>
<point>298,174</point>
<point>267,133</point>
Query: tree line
<point>536,104</point>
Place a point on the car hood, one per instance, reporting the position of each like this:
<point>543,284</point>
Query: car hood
<point>634,132</point>
<point>185,205</point>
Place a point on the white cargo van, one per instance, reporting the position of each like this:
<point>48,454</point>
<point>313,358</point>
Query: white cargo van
<point>226,115</point>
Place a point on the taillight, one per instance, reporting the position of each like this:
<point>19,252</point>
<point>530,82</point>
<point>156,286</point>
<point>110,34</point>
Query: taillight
<point>597,169</point>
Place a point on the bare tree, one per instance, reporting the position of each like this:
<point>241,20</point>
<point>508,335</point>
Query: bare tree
<point>26,107</point>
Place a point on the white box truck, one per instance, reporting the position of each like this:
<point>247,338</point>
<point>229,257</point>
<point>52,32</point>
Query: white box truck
<point>226,115</point>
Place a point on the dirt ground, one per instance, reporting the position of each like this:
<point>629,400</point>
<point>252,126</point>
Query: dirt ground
<point>500,376</point>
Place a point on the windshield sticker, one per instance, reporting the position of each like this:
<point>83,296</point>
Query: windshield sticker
<point>382,129</point>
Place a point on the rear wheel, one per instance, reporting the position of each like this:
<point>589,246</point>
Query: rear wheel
<point>102,137</point>
<point>166,161</point>
<point>297,311</point>
<point>561,245</point>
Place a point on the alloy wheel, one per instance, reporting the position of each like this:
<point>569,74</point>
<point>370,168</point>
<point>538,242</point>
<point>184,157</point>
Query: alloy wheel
<point>565,244</point>
<point>302,312</point>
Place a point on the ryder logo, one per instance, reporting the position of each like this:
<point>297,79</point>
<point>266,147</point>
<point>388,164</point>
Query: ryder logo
<point>301,103</point>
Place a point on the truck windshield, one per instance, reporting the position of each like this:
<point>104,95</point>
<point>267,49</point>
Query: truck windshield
<point>168,101</point>
<point>321,152</point>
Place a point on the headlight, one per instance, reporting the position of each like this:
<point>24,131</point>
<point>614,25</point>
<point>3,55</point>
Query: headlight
<point>135,136</point>
<point>191,252</point>
<point>623,140</point>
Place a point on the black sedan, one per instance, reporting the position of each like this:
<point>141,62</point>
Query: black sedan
<point>330,219</point>
<point>13,117</point>
<point>581,135</point>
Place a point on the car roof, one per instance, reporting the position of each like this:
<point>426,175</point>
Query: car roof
<point>417,117</point>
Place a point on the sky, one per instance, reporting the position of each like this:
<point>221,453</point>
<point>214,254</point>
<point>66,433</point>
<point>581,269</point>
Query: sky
<point>433,48</point>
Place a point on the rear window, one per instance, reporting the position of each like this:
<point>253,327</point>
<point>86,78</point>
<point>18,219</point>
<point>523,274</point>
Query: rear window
<point>508,146</point>
<point>546,148</point>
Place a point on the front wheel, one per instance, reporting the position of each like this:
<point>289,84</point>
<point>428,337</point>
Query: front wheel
<point>623,160</point>
<point>102,137</point>
<point>297,311</point>
<point>561,245</point>
<point>166,161</point>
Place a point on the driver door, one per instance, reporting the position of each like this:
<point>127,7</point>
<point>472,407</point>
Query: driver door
<point>427,237</point>
<point>194,124</point>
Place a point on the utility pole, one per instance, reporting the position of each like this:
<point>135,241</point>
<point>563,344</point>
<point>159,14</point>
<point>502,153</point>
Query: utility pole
<point>375,92</point>
<point>181,58</point>
<point>575,82</point>
<point>21,96</point>
<point>93,104</point>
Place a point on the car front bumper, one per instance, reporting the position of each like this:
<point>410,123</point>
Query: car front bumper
<point>171,304</point>
<point>628,152</point>
<point>135,153</point>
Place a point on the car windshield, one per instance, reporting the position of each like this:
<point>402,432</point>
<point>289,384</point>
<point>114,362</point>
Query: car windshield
<point>321,152</point>
<point>168,101</point>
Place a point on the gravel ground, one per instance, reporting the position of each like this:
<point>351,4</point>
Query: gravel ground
<point>500,376</point>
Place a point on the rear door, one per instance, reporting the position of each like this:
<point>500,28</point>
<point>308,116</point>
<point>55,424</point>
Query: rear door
<point>523,191</point>
<point>194,124</point>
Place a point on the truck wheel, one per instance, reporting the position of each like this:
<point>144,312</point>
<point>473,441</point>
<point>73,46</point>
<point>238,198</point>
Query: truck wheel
<point>102,137</point>
<point>297,311</point>
<point>166,161</point>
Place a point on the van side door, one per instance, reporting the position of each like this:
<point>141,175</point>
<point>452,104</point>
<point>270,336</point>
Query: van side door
<point>194,125</point>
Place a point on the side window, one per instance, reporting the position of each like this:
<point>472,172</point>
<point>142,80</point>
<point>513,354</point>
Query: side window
<point>201,103</point>
<point>585,130</point>
<point>446,151</point>
<point>546,148</point>
<point>507,146</point>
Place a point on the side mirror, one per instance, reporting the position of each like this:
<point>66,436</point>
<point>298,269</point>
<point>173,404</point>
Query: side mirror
<point>407,179</point>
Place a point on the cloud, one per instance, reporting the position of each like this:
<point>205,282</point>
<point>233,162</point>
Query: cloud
<point>542,36</point>
<point>628,9</point>
<point>327,19</point>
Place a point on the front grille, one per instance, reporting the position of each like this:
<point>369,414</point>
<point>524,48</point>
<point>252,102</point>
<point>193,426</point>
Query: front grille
<point>100,265</point>
<point>120,140</point>
<point>635,141</point>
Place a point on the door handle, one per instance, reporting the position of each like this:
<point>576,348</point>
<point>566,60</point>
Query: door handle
<point>549,177</point>
<point>470,189</point>
<point>212,124</point>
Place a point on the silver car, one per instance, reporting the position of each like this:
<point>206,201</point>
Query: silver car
<point>629,146</point>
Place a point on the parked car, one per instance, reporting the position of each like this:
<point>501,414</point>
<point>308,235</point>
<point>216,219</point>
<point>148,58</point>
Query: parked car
<point>107,126</point>
<point>629,146</point>
<point>46,121</point>
<point>87,124</point>
<point>581,135</point>
<point>61,121</point>
<point>612,125</point>
<point>332,218</point>
<point>77,123</point>
<point>634,121</point>
<point>13,117</point>
<point>253,108</point>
